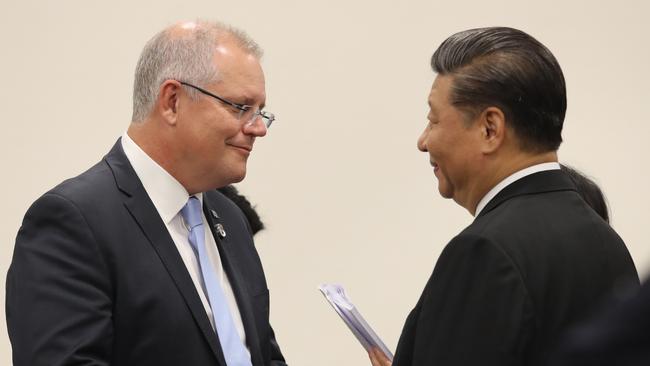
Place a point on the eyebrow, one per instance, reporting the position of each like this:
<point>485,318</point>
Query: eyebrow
<point>249,101</point>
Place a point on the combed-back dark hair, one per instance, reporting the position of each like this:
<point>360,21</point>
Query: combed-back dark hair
<point>508,69</point>
<point>589,191</point>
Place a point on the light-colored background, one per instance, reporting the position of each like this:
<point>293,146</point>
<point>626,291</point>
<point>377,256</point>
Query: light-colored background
<point>338,181</point>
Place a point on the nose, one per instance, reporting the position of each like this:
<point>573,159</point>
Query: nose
<point>256,127</point>
<point>422,146</point>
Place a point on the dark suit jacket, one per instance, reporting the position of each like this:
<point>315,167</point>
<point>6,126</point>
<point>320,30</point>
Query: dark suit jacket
<point>535,260</point>
<point>619,335</point>
<point>97,280</point>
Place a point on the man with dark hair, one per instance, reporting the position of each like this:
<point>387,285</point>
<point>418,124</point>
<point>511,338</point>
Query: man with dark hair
<point>536,257</point>
<point>140,260</point>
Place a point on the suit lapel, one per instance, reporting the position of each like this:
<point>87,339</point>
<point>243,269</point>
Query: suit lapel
<point>145,214</point>
<point>237,282</point>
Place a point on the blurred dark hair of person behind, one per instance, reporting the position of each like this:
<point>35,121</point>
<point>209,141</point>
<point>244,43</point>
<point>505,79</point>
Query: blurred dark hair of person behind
<point>589,191</point>
<point>244,204</point>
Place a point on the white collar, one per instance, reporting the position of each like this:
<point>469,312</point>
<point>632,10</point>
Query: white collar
<point>511,179</point>
<point>166,193</point>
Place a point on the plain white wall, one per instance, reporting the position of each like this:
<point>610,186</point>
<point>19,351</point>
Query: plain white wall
<point>338,181</point>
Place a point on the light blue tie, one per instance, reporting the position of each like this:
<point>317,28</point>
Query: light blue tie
<point>233,348</point>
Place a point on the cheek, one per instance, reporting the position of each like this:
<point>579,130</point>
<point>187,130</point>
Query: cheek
<point>215,134</point>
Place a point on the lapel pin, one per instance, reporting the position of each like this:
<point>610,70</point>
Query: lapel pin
<point>214,214</point>
<point>221,231</point>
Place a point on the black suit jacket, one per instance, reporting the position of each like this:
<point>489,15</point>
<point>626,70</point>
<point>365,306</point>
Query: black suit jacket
<point>535,260</point>
<point>97,280</point>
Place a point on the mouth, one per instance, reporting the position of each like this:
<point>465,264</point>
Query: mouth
<point>243,148</point>
<point>434,165</point>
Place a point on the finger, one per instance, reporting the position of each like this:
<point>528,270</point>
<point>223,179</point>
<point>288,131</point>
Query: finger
<point>378,358</point>
<point>373,357</point>
<point>382,358</point>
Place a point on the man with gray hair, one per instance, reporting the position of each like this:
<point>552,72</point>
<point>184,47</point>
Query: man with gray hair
<point>139,260</point>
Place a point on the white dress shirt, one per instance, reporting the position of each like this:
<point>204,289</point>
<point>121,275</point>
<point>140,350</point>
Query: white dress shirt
<point>169,197</point>
<point>511,179</point>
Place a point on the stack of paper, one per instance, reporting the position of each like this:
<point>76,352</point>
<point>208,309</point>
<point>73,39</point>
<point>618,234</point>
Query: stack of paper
<point>335,294</point>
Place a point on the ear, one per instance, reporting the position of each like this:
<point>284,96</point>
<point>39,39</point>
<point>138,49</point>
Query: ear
<point>493,129</point>
<point>168,100</point>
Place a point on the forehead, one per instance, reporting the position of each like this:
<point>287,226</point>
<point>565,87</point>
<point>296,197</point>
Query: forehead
<point>239,72</point>
<point>439,95</point>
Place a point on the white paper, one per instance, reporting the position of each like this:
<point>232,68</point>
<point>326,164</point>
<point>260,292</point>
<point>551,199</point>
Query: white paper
<point>335,295</point>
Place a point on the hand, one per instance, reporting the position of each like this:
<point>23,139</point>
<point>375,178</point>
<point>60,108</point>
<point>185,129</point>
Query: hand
<point>378,358</point>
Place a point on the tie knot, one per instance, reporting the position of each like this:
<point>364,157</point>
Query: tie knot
<point>191,212</point>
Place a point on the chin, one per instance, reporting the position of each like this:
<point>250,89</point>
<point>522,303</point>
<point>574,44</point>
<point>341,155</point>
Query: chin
<point>238,175</point>
<point>445,192</point>
<point>233,172</point>
<point>446,195</point>
<point>238,178</point>
<point>225,177</point>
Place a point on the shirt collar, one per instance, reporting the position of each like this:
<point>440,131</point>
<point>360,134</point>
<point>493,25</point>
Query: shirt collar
<point>166,193</point>
<point>511,179</point>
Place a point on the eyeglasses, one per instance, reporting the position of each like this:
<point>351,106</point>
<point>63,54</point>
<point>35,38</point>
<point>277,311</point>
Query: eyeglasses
<point>246,112</point>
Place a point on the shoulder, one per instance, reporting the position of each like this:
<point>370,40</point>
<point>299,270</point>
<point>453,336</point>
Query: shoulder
<point>470,257</point>
<point>85,189</point>
<point>544,220</point>
<point>95,184</point>
<point>472,250</point>
<point>474,266</point>
<point>476,261</point>
<point>537,219</point>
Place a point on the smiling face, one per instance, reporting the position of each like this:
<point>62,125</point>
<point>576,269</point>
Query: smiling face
<point>214,143</point>
<point>453,144</point>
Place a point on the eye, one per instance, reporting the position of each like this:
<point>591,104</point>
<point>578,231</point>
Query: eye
<point>242,107</point>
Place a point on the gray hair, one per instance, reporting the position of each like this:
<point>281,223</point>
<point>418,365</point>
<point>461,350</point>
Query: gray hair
<point>185,55</point>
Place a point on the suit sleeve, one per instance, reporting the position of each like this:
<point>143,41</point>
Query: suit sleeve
<point>277,359</point>
<point>58,289</point>
<point>475,309</point>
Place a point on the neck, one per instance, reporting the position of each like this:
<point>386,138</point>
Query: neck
<point>159,148</point>
<point>497,172</point>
